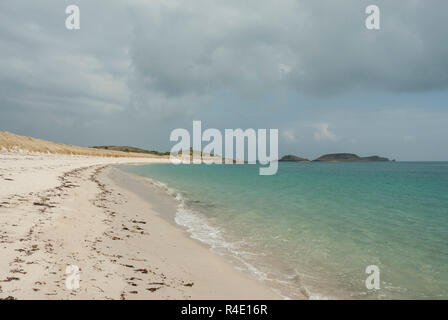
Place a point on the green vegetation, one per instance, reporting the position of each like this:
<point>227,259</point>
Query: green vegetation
<point>132,149</point>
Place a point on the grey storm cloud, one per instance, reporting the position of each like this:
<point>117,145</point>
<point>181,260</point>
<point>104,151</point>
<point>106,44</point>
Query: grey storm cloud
<point>155,62</point>
<point>163,49</point>
<point>314,47</point>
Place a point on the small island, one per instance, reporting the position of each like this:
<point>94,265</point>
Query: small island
<point>292,158</point>
<point>348,157</point>
<point>335,157</point>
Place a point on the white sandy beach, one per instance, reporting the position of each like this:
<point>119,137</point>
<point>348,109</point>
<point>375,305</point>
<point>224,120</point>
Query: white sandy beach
<point>60,210</point>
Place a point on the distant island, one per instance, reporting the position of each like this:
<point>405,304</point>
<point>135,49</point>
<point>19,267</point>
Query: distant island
<point>348,157</point>
<point>292,158</point>
<point>336,157</point>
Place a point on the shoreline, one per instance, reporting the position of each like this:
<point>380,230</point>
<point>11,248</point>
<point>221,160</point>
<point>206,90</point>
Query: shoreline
<point>164,208</point>
<point>170,202</point>
<point>75,215</point>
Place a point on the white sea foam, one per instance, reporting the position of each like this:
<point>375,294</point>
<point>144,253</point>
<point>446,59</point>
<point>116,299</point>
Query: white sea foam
<point>196,225</point>
<point>200,229</point>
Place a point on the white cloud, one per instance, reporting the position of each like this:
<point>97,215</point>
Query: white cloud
<point>284,68</point>
<point>323,133</point>
<point>289,135</point>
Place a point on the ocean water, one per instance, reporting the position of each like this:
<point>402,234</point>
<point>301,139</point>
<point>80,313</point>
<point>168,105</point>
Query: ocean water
<point>313,228</point>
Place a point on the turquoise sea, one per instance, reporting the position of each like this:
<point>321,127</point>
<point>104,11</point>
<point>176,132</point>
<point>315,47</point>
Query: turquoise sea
<point>313,228</point>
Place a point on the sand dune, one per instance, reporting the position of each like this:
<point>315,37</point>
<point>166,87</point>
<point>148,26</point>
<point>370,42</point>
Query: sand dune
<point>16,143</point>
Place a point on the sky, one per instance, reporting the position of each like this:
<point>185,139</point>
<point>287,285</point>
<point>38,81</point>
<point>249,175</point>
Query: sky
<point>137,69</point>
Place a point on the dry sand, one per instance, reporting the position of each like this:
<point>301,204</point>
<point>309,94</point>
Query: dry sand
<point>60,210</point>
